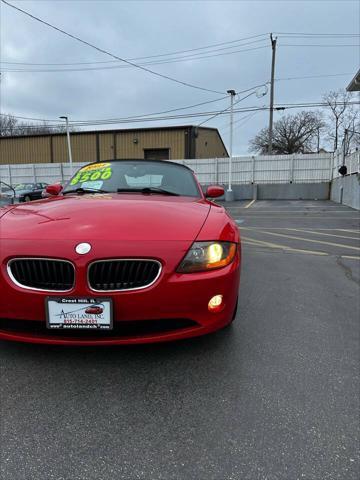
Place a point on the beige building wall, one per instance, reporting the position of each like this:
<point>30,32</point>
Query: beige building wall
<point>208,144</point>
<point>90,147</point>
<point>83,148</point>
<point>132,144</point>
<point>25,150</point>
<point>106,146</point>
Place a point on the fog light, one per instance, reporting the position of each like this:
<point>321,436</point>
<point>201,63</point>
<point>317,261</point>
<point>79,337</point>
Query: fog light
<point>215,303</point>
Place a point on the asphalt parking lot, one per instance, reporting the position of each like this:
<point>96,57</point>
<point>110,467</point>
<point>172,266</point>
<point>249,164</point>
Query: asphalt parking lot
<point>274,397</point>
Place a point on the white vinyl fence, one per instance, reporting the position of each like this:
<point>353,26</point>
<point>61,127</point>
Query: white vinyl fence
<point>352,162</point>
<point>274,169</point>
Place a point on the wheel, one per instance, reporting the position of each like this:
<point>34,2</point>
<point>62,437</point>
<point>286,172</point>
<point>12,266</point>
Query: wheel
<point>27,198</point>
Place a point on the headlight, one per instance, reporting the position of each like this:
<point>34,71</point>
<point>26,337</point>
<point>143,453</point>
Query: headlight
<point>204,256</point>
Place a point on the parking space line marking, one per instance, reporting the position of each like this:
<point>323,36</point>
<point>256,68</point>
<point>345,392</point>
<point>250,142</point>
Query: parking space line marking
<point>305,229</point>
<point>320,233</point>
<point>261,243</point>
<point>258,243</point>
<point>307,239</point>
<point>250,203</point>
<point>290,212</point>
<point>312,229</point>
<point>341,207</point>
<point>251,215</point>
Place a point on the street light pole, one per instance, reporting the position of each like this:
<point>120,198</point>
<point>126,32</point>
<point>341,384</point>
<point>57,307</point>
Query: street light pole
<point>229,195</point>
<point>68,143</point>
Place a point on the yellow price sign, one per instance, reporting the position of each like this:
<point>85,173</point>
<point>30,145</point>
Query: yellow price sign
<point>95,166</point>
<point>91,173</point>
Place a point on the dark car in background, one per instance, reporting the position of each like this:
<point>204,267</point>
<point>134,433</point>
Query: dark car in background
<point>25,192</point>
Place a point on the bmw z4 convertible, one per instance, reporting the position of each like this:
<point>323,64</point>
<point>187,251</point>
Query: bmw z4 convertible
<point>130,251</point>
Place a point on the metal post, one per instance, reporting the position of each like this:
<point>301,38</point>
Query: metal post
<point>344,145</point>
<point>62,173</point>
<point>331,167</point>
<point>341,190</point>
<point>292,168</point>
<point>34,172</point>
<point>10,174</point>
<point>68,143</point>
<point>216,170</point>
<point>229,195</point>
<point>273,47</point>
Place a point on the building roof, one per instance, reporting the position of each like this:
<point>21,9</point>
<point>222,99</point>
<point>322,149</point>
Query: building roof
<point>116,130</point>
<point>354,85</point>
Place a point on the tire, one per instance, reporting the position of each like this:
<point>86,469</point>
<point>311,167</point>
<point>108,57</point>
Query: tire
<point>234,315</point>
<point>235,311</point>
<point>27,198</point>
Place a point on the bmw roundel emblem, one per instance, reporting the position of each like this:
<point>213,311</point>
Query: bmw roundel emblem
<point>83,248</point>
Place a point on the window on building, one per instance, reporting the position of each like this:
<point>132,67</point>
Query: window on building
<point>156,153</point>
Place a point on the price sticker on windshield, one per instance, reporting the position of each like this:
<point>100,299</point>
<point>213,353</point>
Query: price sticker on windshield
<point>93,173</point>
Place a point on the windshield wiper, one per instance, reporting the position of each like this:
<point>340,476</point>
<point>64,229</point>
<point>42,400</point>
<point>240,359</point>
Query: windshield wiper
<point>148,190</point>
<point>86,190</point>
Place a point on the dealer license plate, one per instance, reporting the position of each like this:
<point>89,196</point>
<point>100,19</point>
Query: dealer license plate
<point>79,313</point>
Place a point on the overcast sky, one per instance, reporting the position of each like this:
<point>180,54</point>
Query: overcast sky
<point>133,29</point>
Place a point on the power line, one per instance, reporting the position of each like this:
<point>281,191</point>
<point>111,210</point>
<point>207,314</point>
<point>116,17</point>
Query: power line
<point>145,69</point>
<point>169,54</point>
<point>153,56</point>
<point>206,48</point>
<point>252,88</point>
<point>163,62</point>
<point>160,62</point>
<point>130,117</point>
<point>314,76</point>
<point>222,111</point>
<point>318,34</point>
<point>239,122</point>
<point>141,115</point>
<point>287,35</point>
<point>192,115</point>
<point>317,45</point>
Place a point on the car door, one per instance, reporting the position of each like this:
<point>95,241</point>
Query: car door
<point>36,193</point>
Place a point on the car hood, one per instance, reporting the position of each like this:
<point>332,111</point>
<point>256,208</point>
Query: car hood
<point>129,217</point>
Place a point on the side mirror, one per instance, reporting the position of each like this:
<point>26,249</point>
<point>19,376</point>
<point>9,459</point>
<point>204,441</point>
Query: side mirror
<point>214,191</point>
<point>54,189</point>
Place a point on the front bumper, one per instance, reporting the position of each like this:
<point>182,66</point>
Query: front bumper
<point>176,305</point>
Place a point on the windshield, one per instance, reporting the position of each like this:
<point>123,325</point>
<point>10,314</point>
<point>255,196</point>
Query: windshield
<point>24,186</point>
<point>134,175</point>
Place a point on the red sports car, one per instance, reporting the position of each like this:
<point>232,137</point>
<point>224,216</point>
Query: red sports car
<point>130,251</point>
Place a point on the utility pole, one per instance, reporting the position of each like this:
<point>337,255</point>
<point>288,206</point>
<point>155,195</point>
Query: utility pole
<point>68,143</point>
<point>229,195</point>
<point>273,47</point>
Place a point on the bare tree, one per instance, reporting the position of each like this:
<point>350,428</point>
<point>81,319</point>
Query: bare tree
<point>351,140</point>
<point>342,116</point>
<point>297,133</point>
<point>10,126</point>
